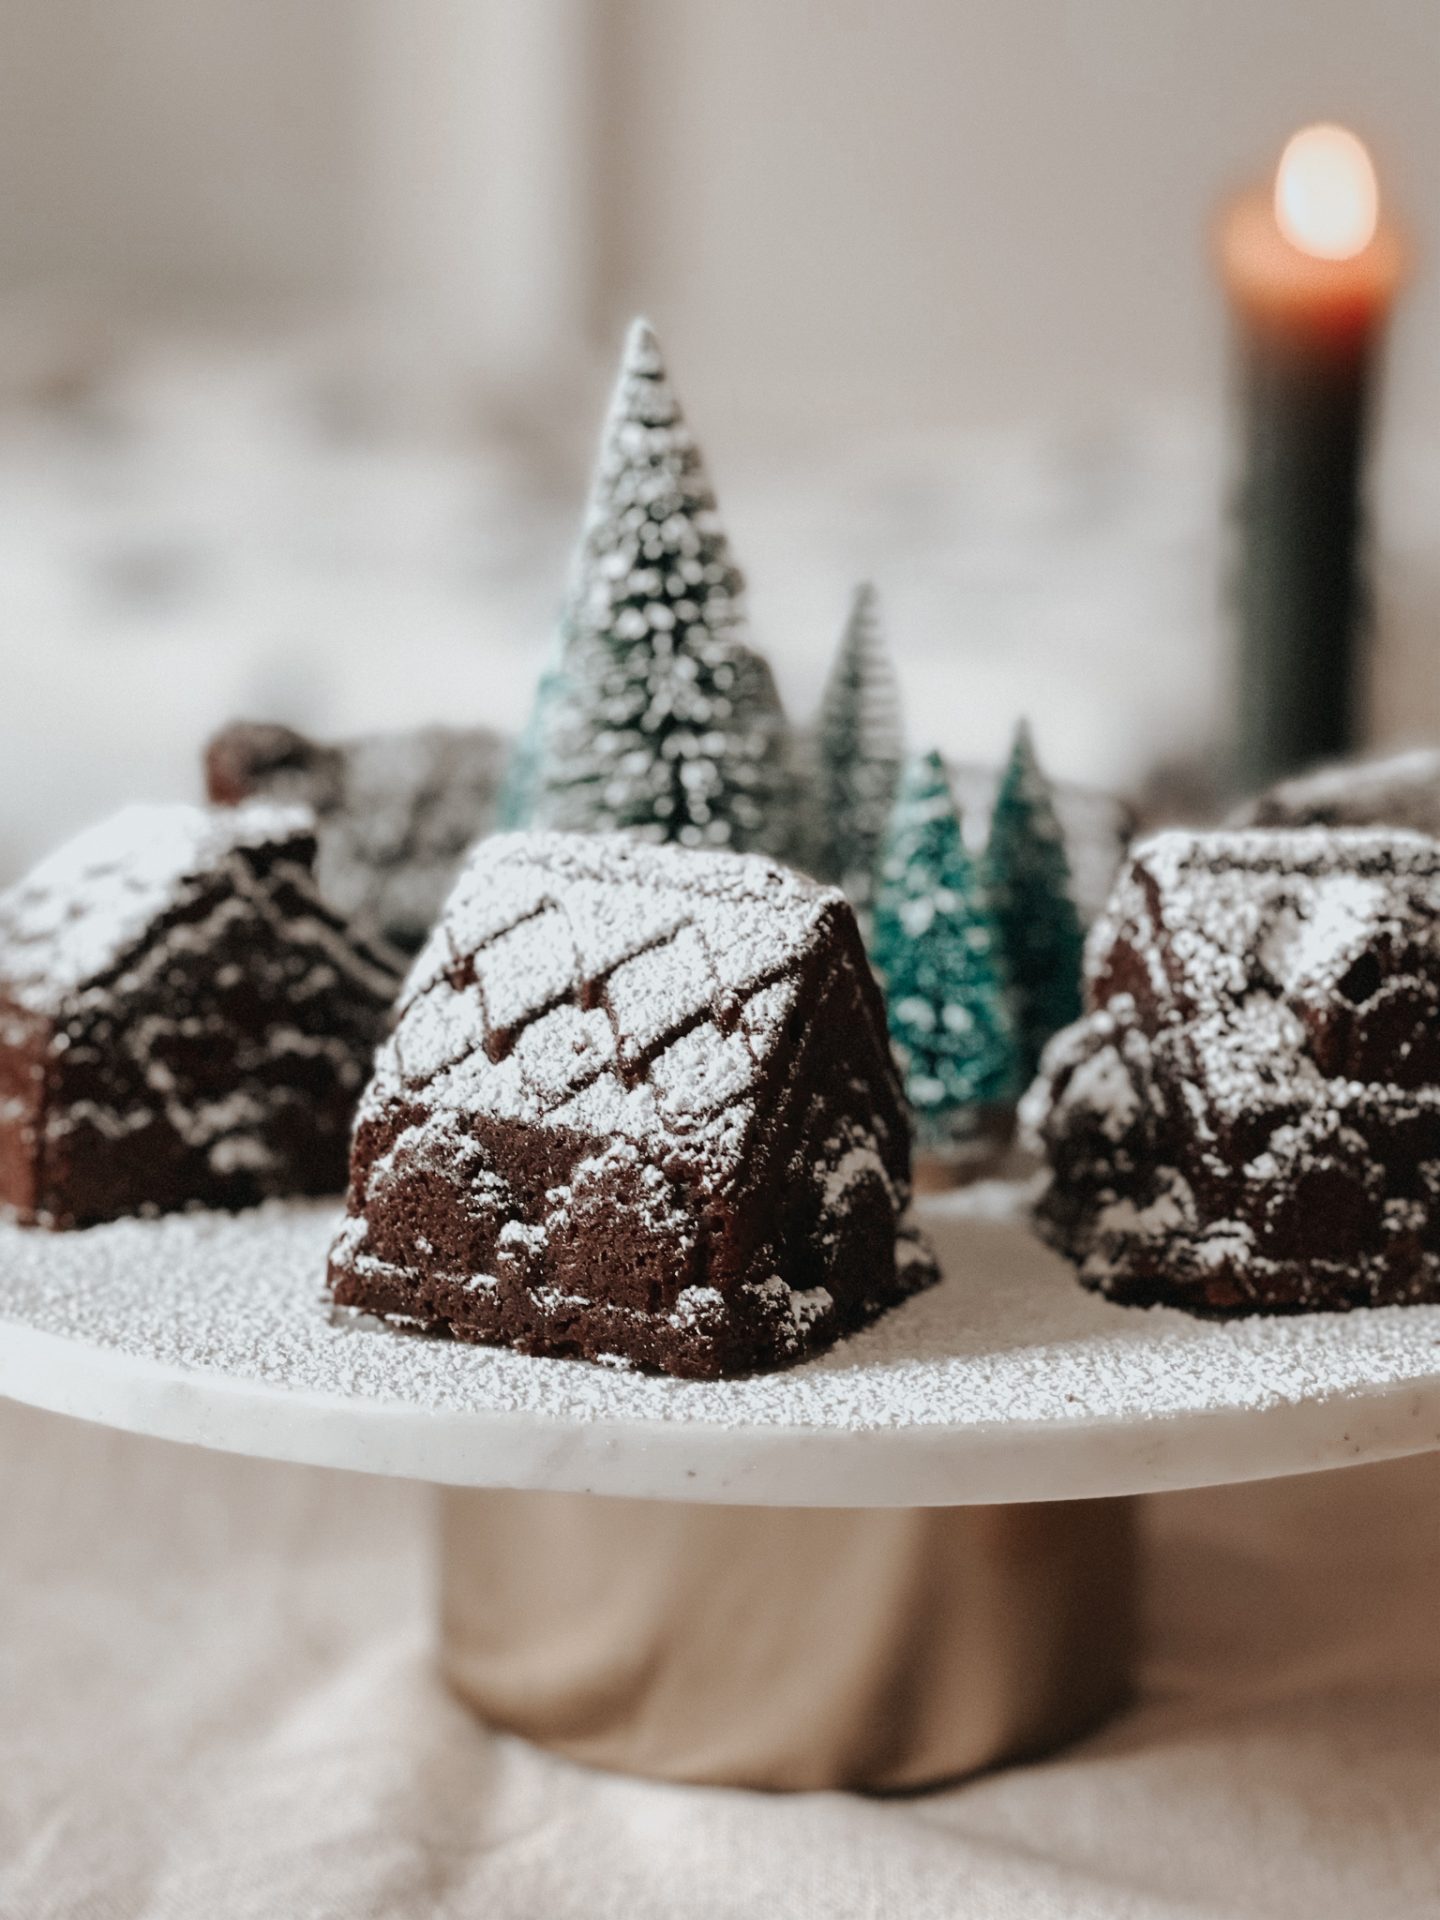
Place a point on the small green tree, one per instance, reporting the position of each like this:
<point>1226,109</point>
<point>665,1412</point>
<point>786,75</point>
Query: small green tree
<point>936,950</point>
<point>1029,878</point>
<point>662,720</point>
<point>859,749</point>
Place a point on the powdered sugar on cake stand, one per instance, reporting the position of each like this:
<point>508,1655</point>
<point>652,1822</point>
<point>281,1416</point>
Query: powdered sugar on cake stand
<point>1006,1382</point>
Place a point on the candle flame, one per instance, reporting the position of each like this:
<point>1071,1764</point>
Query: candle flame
<point>1326,197</point>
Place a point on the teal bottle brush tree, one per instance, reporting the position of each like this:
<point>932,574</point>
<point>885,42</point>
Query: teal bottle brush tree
<point>937,951</point>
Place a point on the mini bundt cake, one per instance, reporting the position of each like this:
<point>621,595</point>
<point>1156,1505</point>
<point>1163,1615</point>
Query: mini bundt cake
<point>1401,791</point>
<point>182,1022</point>
<point>639,1107</point>
<point>1248,1117</point>
<point>395,813</point>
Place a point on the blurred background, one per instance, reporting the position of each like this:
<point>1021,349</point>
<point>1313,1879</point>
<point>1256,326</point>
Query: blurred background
<point>308,310</point>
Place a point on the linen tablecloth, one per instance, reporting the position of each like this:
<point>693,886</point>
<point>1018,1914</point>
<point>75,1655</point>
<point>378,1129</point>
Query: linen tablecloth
<point>217,1700</point>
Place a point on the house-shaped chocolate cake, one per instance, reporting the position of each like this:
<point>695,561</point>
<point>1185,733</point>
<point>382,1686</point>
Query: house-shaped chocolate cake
<point>182,1022</point>
<point>638,1107</point>
<point>1249,1117</point>
<point>394,812</point>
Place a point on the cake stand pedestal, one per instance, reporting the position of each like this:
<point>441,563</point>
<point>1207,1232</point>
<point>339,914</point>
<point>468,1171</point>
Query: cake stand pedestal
<point>907,1559</point>
<point>880,1648</point>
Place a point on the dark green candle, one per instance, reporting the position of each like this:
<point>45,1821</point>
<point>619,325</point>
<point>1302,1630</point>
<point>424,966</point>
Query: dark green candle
<point>1311,276</point>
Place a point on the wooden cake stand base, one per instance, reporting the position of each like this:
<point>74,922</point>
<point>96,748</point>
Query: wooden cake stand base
<point>879,1648</point>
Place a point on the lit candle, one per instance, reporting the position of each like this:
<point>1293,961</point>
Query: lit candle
<point>1311,271</point>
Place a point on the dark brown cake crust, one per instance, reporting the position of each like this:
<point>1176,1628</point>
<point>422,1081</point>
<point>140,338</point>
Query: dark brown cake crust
<point>639,1108</point>
<point>1248,1120</point>
<point>182,1022</point>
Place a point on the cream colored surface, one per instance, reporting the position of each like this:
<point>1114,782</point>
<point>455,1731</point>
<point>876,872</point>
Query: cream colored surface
<point>217,1700</point>
<point>787,1647</point>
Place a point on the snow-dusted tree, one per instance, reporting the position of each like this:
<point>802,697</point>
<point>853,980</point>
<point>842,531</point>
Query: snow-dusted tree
<point>858,750</point>
<point>1029,878</point>
<point>663,720</point>
<point>936,950</point>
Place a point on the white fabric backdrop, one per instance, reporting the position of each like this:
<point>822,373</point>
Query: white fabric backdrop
<point>195,529</point>
<point>216,1703</point>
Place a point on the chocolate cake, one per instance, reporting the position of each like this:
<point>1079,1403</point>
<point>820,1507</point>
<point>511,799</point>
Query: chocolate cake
<point>395,812</point>
<point>1248,1118</point>
<point>1402,790</point>
<point>638,1107</point>
<point>181,1020</point>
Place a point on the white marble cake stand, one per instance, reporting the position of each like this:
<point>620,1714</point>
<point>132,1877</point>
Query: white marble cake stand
<point>895,1565</point>
<point>1006,1383</point>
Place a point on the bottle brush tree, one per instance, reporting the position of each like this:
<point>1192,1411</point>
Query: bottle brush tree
<point>1029,878</point>
<point>858,753</point>
<point>936,949</point>
<point>661,718</point>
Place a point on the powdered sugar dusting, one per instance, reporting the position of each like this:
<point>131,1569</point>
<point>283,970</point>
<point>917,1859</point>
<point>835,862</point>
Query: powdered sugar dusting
<point>1007,1337</point>
<point>603,984</point>
<point>171,981</point>
<point>76,915</point>
<point>689,1066</point>
<point>1253,931</point>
